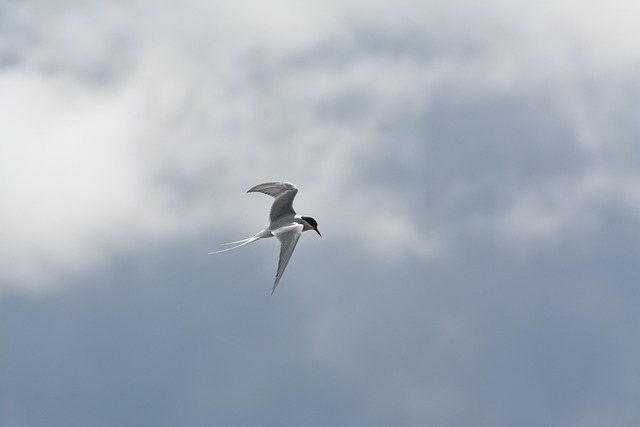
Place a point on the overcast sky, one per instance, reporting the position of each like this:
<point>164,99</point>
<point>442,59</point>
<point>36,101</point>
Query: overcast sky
<point>474,170</point>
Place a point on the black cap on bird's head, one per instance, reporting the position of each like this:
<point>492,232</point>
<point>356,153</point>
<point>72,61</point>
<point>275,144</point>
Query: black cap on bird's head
<point>313,224</point>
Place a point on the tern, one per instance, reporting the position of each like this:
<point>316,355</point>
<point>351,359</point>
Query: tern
<point>285,223</point>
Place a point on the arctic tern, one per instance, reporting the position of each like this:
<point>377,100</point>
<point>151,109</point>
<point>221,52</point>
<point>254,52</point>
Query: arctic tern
<point>285,223</point>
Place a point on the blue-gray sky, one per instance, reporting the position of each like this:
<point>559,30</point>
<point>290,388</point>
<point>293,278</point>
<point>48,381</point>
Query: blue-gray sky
<point>474,169</point>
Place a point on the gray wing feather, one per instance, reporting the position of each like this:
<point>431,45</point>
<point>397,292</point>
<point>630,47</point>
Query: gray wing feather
<point>284,193</point>
<point>288,237</point>
<point>273,189</point>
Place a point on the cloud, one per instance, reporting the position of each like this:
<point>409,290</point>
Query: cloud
<point>68,175</point>
<point>139,123</point>
<point>473,168</point>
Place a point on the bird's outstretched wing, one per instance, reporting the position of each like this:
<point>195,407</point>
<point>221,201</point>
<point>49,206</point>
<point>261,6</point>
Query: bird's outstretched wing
<point>284,193</point>
<point>273,189</point>
<point>288,236</point>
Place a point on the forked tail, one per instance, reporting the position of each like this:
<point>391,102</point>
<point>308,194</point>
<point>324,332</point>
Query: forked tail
<point>260,235</point>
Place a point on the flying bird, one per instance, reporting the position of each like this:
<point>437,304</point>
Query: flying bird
<point>285,223</point>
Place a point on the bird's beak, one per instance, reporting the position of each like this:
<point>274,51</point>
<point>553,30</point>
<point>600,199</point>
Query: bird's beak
<point>318,231</point>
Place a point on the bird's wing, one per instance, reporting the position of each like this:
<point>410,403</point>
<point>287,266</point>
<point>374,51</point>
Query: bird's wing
<point>273,189</point>
<point>284,193</point>
<point>288,236</point>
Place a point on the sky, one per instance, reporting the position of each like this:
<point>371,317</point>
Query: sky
<point>474,169</point>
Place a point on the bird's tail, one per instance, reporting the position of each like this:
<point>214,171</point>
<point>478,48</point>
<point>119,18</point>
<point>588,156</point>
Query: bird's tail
<point>238,243</point>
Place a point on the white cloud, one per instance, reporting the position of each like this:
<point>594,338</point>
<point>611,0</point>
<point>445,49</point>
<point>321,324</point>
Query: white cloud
<point>148,121</point>
<point>68,175</point>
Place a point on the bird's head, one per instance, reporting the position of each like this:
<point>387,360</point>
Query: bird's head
<point>310,224</point>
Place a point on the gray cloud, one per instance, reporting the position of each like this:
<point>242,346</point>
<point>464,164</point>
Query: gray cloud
<point>472,170</point>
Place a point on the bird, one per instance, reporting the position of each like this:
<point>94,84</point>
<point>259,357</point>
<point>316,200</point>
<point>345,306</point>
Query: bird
<point>284,223</point>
